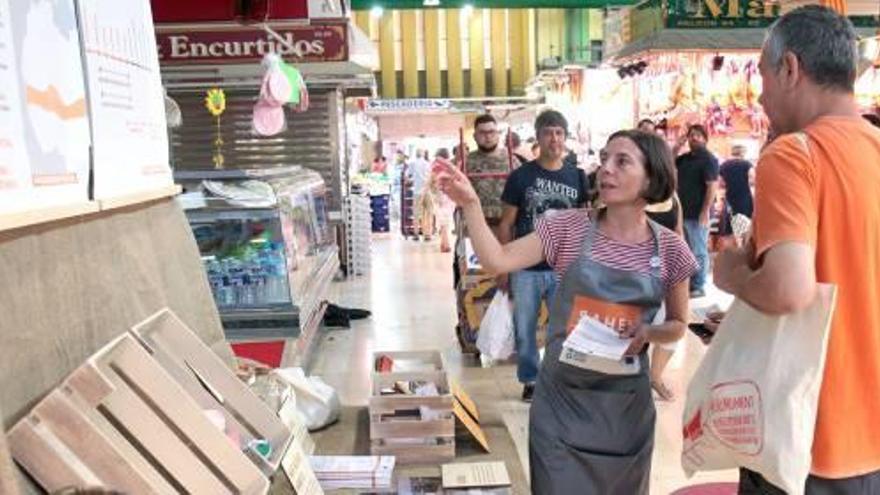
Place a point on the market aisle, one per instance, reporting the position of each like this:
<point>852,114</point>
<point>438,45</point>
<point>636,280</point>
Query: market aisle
<point>410,294</point>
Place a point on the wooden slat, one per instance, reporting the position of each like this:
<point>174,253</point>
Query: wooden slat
<point>90,385</point>
<point>454,68</point>
<point>46,464</point>
<point>139,197</point>
<point>388,404</point>
<point>432,53</point>
<point>477,53</point>
<point>412,429</point>
<point>9,221</point>
<point>387,62</point>
<point>93,448</point>
<point>177,348</point>
<point>408,30</point>
<point>384,380</point>
<point>161,442</point>
<point>498,35</point>
<point>184,413</point>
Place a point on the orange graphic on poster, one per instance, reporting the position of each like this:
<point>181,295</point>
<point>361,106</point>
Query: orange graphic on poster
<point>620,317</point>
<point>50,101</point>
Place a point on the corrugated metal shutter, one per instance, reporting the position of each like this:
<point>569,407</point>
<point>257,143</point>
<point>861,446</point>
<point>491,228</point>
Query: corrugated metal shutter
<point>310,140</point>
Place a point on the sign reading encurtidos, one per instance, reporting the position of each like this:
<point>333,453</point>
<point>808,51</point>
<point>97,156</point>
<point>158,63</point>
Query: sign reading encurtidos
<point>315,43</point>
<point>407,104</point>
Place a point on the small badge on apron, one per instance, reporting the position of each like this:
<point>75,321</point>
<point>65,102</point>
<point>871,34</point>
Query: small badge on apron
<point>629,365</point>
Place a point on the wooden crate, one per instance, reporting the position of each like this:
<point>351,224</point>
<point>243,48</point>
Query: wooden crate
<point>121,422</point>
<point>213,385</point>
<point>395,426</point>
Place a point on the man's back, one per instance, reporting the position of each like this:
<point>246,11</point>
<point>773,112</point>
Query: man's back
<point>823,187</point>
<point>736,179</point>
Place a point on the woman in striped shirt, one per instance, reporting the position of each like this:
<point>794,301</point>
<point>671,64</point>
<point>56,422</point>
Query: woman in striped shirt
<point>592,419</point>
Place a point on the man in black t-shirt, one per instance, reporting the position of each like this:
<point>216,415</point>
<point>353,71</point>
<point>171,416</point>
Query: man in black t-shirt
<point>548,183</point>
<point>697,186</point>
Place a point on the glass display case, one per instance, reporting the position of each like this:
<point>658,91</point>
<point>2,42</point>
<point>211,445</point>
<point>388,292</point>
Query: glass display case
<point>267,246</point>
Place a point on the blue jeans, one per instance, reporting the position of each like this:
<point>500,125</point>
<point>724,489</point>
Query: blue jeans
<point>529,288</point>
<point>698,239</point>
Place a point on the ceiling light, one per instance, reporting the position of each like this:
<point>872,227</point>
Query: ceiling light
<point>376,11</point>
<point>431,3</point>
<point>467,10</point>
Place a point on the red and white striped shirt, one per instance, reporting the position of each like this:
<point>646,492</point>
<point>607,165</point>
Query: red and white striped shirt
<point>563,233</point>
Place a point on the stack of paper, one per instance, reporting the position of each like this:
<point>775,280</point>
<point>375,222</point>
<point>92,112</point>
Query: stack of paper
<point>353,472</point>
<point>594,338</point>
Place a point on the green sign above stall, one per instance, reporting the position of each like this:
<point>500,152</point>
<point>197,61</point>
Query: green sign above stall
<point>721,13</point>
<point>488,4</point>
<point>684,14</point>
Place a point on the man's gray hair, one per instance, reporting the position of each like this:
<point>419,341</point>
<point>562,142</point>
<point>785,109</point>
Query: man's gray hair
<point>824,42</point>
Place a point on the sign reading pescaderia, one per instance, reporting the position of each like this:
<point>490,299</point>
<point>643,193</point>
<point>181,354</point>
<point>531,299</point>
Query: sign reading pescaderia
<point>408,104</point>
<point>235,44</point>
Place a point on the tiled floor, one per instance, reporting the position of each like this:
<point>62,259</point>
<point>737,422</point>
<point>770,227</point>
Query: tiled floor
<point>410,294</point>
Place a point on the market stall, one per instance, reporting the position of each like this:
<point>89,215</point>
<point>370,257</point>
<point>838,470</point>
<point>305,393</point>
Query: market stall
<point>698,63</point>
<point>245,140</point>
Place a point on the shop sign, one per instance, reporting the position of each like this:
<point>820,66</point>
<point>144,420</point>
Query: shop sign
<point>722,13</point>
<point>235,44</point>
<point>407,105</point>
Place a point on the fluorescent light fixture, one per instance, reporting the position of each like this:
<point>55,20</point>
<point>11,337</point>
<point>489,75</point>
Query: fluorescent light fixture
<point>431,3</point>
<point>467,10</point>
<point>376,11</point>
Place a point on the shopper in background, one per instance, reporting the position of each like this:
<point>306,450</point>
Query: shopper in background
<point>418,172</point>
<point>518,152</point>
<point>489,164</point>
<point>444,208</point>
<point>532,190</point>
<point>379,166</point>
<point>817,220</point>
<point>736,174</point>
<point>697,188</point>
<point>646,125</point>
<point>667,214</point>
<point>591,427</point>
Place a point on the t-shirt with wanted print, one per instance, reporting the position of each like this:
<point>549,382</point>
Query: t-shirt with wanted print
<point>534,190</point>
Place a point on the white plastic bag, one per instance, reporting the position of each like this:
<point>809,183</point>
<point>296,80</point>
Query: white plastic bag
<point>752,402</point>
<point>317,401</point>
<point>495,339</point>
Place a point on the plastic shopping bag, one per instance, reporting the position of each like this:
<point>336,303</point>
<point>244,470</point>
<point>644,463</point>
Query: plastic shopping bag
<point>317,401</point>
<point>495,338</point>
<point>752,402</point>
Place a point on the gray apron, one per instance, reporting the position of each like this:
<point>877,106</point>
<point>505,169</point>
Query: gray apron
<point>591,431</point>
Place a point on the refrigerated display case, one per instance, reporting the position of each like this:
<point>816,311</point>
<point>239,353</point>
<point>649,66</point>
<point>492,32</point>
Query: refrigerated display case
<point>269,254</point>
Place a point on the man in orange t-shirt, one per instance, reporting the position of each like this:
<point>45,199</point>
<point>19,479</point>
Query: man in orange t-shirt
<point>817,219</point>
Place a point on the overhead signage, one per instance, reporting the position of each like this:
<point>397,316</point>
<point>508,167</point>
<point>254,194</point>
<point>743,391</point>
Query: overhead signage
<point>722,13</point>
<point>236,44</point>
<point>408,105</point>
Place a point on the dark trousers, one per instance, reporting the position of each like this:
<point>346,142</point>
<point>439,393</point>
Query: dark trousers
<point>752,483</point>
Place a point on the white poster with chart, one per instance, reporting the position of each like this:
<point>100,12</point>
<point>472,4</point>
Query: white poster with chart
<point>125,98</point>
<point>44,121</point>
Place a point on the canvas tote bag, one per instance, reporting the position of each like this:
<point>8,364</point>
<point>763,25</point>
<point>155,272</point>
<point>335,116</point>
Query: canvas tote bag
<point>753,400</point>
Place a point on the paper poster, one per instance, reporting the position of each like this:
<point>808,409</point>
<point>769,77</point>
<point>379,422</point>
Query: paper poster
<point>44,122</point>
<point>475,474</point>
<point>298,469</point>
<point>126,100</point>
